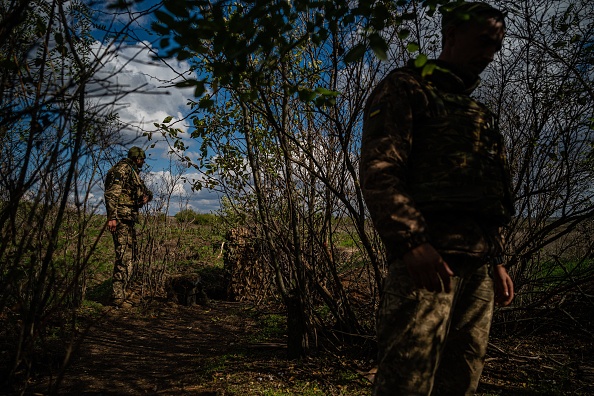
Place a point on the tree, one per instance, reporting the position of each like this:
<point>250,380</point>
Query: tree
<point>278,116</point>
<point>54,136</point>
<point>541,88</point>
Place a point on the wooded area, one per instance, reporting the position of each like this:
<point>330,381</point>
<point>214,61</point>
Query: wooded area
<point>278,118</point>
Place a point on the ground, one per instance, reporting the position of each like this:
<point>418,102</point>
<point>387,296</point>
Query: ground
<point>226,348</point>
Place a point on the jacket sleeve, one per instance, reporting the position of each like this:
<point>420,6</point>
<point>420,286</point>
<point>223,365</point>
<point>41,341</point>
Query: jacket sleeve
<point>113,189</point>
<point>385,148</point>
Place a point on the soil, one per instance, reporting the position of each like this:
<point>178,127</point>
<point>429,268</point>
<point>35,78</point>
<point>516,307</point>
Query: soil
<point>164,348</point>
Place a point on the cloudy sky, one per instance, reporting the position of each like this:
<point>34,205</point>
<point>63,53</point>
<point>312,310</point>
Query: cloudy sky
<point>150,99</point>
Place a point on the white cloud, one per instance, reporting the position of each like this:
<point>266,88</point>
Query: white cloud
<point>177,189</point>
<point>142,86</point>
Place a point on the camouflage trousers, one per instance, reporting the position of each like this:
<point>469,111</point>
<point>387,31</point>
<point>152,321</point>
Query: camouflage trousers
<point>433,343</point>
<point>124,241</point>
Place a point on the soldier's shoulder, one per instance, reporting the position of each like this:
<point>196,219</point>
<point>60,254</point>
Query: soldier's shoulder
<point>404,79</point>
<point>124,165</point>
<point>119,170</point>
<point>401,84</point>
<point>404,75</point>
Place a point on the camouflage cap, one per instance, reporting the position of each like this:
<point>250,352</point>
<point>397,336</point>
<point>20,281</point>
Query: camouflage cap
<point>136,152</point>
<point>455,14</point>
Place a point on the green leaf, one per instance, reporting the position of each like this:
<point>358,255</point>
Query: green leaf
<point>119,5</point>
<point>200,89</point>
<point>167,119</point>
<point>160,28</point>
<point>59,39</point>
<point>306,95</point>
<point>379,46</point>
<point>421,60</point>
<point>206,103</point>
<point>40,27</point>
<point>183,55</point>
<point>326,92</point>
<point>428,69</point>
<point>165,18</point>
<point>403,34</point>
<point>186,83</point>
<point>355,53</point>
<point>412,47</point>
<point>177,7</point>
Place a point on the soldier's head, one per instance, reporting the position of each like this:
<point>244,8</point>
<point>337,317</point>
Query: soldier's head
<point>137,155</point>
<point>472,34</point>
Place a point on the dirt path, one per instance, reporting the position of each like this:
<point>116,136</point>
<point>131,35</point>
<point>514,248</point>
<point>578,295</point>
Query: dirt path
<point>163,352</point>
<point>220,349</point>
<point>199,350</point>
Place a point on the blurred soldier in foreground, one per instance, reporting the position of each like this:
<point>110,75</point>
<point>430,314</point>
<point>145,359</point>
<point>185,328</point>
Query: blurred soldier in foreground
<point>125,193</point>
<point>436,182</point>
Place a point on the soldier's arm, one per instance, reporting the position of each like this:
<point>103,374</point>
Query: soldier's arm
<point>113,190</point>
<point>385,148</point>
<point>503,285</point>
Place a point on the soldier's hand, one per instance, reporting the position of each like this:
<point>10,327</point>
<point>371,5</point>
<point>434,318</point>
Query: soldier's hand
<point>112,225</point>
<point>504,286</point>
<point>428,269</point>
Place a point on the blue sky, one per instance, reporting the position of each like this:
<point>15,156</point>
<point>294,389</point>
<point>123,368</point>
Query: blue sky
<point>132,65</point>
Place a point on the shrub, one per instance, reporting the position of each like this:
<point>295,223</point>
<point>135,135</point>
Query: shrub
<point>193,217</point>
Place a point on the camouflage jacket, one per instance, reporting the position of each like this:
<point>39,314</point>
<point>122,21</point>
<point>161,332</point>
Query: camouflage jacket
<point>124,191</point>
<point>433,166</point>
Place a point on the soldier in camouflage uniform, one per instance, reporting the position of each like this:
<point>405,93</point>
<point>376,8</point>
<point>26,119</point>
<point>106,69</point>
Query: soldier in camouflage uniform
<point>125,193</point>
<point>436,183</point>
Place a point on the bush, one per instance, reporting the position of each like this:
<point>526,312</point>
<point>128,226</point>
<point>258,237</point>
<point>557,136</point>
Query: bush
<point>193,217</point>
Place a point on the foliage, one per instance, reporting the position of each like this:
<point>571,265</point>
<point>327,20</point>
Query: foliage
<point>48,134</point>
<point>278,118</point>
<point>193,217</point>
<point>541,87</point>
<point>272,326</point>
<point>235,33</point>
<point>56,138</point>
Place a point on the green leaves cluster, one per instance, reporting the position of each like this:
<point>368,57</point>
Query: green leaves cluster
<point>248,39</point>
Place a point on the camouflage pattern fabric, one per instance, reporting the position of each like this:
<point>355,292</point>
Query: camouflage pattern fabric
<point>430,153</point>
<point>124,190</point>
<point>124,241</point>
<point>424,335</point>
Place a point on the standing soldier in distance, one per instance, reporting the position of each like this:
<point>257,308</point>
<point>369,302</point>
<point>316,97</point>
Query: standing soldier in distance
<point>436,183</point>
<point>125,193</point>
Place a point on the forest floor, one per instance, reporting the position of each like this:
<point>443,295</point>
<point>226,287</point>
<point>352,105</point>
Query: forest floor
<point>226,348</point>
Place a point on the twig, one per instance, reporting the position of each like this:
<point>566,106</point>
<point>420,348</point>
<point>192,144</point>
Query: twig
<point>513,355</point>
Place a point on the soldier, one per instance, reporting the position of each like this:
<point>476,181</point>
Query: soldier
<point>125,193</point>
<point>436,183</point>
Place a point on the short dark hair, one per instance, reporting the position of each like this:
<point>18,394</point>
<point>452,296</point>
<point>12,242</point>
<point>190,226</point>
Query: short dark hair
<point>457,14</point>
